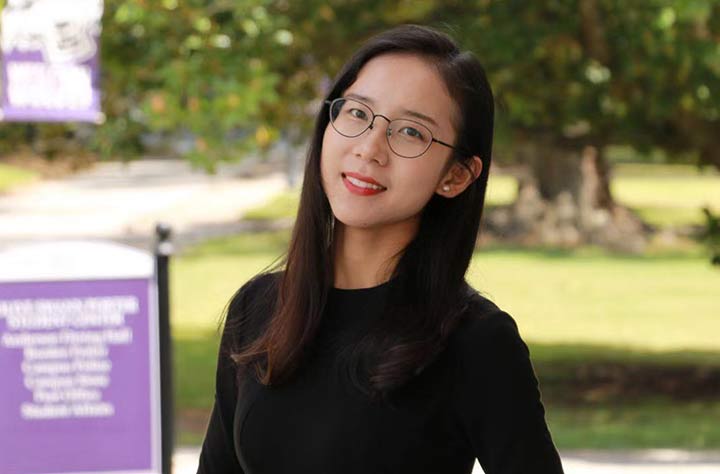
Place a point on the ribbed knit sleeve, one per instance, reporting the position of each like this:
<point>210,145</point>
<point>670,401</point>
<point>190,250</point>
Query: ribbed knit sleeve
<point>498,401</point>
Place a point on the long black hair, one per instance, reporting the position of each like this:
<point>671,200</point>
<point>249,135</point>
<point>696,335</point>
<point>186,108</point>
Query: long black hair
<point>429,289</point>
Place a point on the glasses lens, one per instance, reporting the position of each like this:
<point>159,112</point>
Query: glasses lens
<point>350,117</point>
<point>408,138</point>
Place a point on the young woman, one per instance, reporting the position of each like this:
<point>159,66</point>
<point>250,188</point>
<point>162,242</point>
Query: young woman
<point>366,351</point>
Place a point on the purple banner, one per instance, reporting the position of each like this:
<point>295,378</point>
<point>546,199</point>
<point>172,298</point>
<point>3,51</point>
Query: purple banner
<point>79,364</point>
<point>50,60</point>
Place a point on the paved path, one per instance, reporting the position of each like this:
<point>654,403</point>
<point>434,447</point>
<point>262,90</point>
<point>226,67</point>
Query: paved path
<point>119,201</point>
<point>656,461</point>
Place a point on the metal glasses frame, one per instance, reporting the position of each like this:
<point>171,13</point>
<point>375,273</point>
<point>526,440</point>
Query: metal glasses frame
<point>388,130</point>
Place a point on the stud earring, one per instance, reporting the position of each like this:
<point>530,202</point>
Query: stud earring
<point>446,188</point>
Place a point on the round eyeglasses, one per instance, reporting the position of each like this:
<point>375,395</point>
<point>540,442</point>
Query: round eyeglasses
<point>406,138</point>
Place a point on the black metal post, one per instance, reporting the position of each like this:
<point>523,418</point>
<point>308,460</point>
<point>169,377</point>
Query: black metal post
<point>163,250</point>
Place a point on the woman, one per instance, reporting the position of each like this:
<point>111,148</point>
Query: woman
<point>368,352</point>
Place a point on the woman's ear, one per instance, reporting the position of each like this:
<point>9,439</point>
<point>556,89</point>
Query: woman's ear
<point>458,177</point>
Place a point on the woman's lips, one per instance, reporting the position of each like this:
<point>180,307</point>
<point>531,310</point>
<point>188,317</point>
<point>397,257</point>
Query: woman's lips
<point>360,191</point>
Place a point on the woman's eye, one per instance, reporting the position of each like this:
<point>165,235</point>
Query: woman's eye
<point>357,113</point>
<point>411,132</point>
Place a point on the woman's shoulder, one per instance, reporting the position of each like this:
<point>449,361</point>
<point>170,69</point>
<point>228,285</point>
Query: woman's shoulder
<point>485,328</point>
<point>257,286</point>
<point>252,303</point>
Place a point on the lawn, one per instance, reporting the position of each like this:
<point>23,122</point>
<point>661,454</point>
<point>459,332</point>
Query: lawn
<point>667,194</point>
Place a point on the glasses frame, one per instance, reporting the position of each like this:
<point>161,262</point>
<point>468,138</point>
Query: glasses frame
<point>388,130</point>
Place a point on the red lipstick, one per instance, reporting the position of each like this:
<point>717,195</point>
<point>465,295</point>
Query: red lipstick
<point>359,189</point>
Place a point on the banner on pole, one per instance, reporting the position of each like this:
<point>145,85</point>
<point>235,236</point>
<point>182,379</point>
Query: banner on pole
<point>50,61</point>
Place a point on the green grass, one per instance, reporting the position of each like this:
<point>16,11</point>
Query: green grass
<point>667,195</point>
<point>651,423</point>
<point>12,176</point>
<point>649,303</point>
<point>281,206</point>
<point>204,278</point>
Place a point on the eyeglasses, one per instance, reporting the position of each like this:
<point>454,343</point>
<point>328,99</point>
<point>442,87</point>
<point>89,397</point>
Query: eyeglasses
<point>406,138</point>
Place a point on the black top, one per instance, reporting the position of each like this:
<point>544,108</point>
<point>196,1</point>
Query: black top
<point>478,399</point>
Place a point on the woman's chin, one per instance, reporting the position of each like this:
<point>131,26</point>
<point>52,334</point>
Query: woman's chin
<point>358,222</point>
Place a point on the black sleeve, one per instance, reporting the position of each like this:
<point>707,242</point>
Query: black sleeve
<point>218,452</point>
<point>217,455</point>
<point>498,400</point>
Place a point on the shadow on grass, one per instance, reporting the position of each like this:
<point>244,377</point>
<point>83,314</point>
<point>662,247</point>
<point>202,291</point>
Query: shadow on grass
<point>596,397</point>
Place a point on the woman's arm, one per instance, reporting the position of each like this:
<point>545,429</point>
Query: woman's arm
<point>218,452</point>
<point>218,449</point>
<point>218,455</point>
<point>498,400</point>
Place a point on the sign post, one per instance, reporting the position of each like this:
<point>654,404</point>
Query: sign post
<point>84,361</point>
<point>163,251</point>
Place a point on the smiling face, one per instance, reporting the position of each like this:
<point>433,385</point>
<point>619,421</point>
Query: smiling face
<point>395,86</point>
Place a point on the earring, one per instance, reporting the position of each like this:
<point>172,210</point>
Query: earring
<point>446,188</point>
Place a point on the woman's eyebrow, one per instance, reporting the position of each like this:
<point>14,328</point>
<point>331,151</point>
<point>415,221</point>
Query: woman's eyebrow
<point>409,112</point>
<point>362,98</point>
<point>420,116</point>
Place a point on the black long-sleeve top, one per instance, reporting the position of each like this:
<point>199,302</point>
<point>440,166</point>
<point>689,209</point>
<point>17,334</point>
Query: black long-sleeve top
<point>479,398</point>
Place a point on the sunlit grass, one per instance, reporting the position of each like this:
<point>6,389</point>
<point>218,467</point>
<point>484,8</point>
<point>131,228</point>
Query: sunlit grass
<point>653,303</point>
<point>667,194</point>
<point>12,176</point>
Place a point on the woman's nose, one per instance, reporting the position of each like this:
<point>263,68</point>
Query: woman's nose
<point>372,144</point>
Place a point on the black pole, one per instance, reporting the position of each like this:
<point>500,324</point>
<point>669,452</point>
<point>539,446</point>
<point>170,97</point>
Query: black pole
<point>163,250</point>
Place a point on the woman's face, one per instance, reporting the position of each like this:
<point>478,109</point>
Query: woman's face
<point>396,86</point>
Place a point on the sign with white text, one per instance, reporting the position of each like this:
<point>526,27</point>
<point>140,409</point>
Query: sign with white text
<point>79,360</point>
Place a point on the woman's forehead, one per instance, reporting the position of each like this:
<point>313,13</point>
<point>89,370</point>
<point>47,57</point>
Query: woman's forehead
<point>404,85</point>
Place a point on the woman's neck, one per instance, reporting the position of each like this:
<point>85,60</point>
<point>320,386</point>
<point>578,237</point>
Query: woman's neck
<point>367,257</point>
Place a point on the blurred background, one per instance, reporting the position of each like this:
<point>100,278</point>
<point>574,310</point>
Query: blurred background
<point>601,234</point>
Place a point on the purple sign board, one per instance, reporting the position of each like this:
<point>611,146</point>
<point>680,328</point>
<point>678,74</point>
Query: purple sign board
<point>79,360</point>
<point>50,60</point>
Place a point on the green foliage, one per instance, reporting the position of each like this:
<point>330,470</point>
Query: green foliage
<point>580,72</point>
<point>234,75</point>
<point>199,67</point>
<point>601,71</point>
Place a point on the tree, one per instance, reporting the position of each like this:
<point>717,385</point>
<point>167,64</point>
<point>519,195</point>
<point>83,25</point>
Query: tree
<point>202,67</point>
<point>571,77</point>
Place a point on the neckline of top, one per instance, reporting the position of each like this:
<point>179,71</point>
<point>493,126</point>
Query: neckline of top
<point>348,291</point>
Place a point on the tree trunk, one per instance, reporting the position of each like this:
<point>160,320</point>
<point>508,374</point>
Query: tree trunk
<point>564,199</point>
